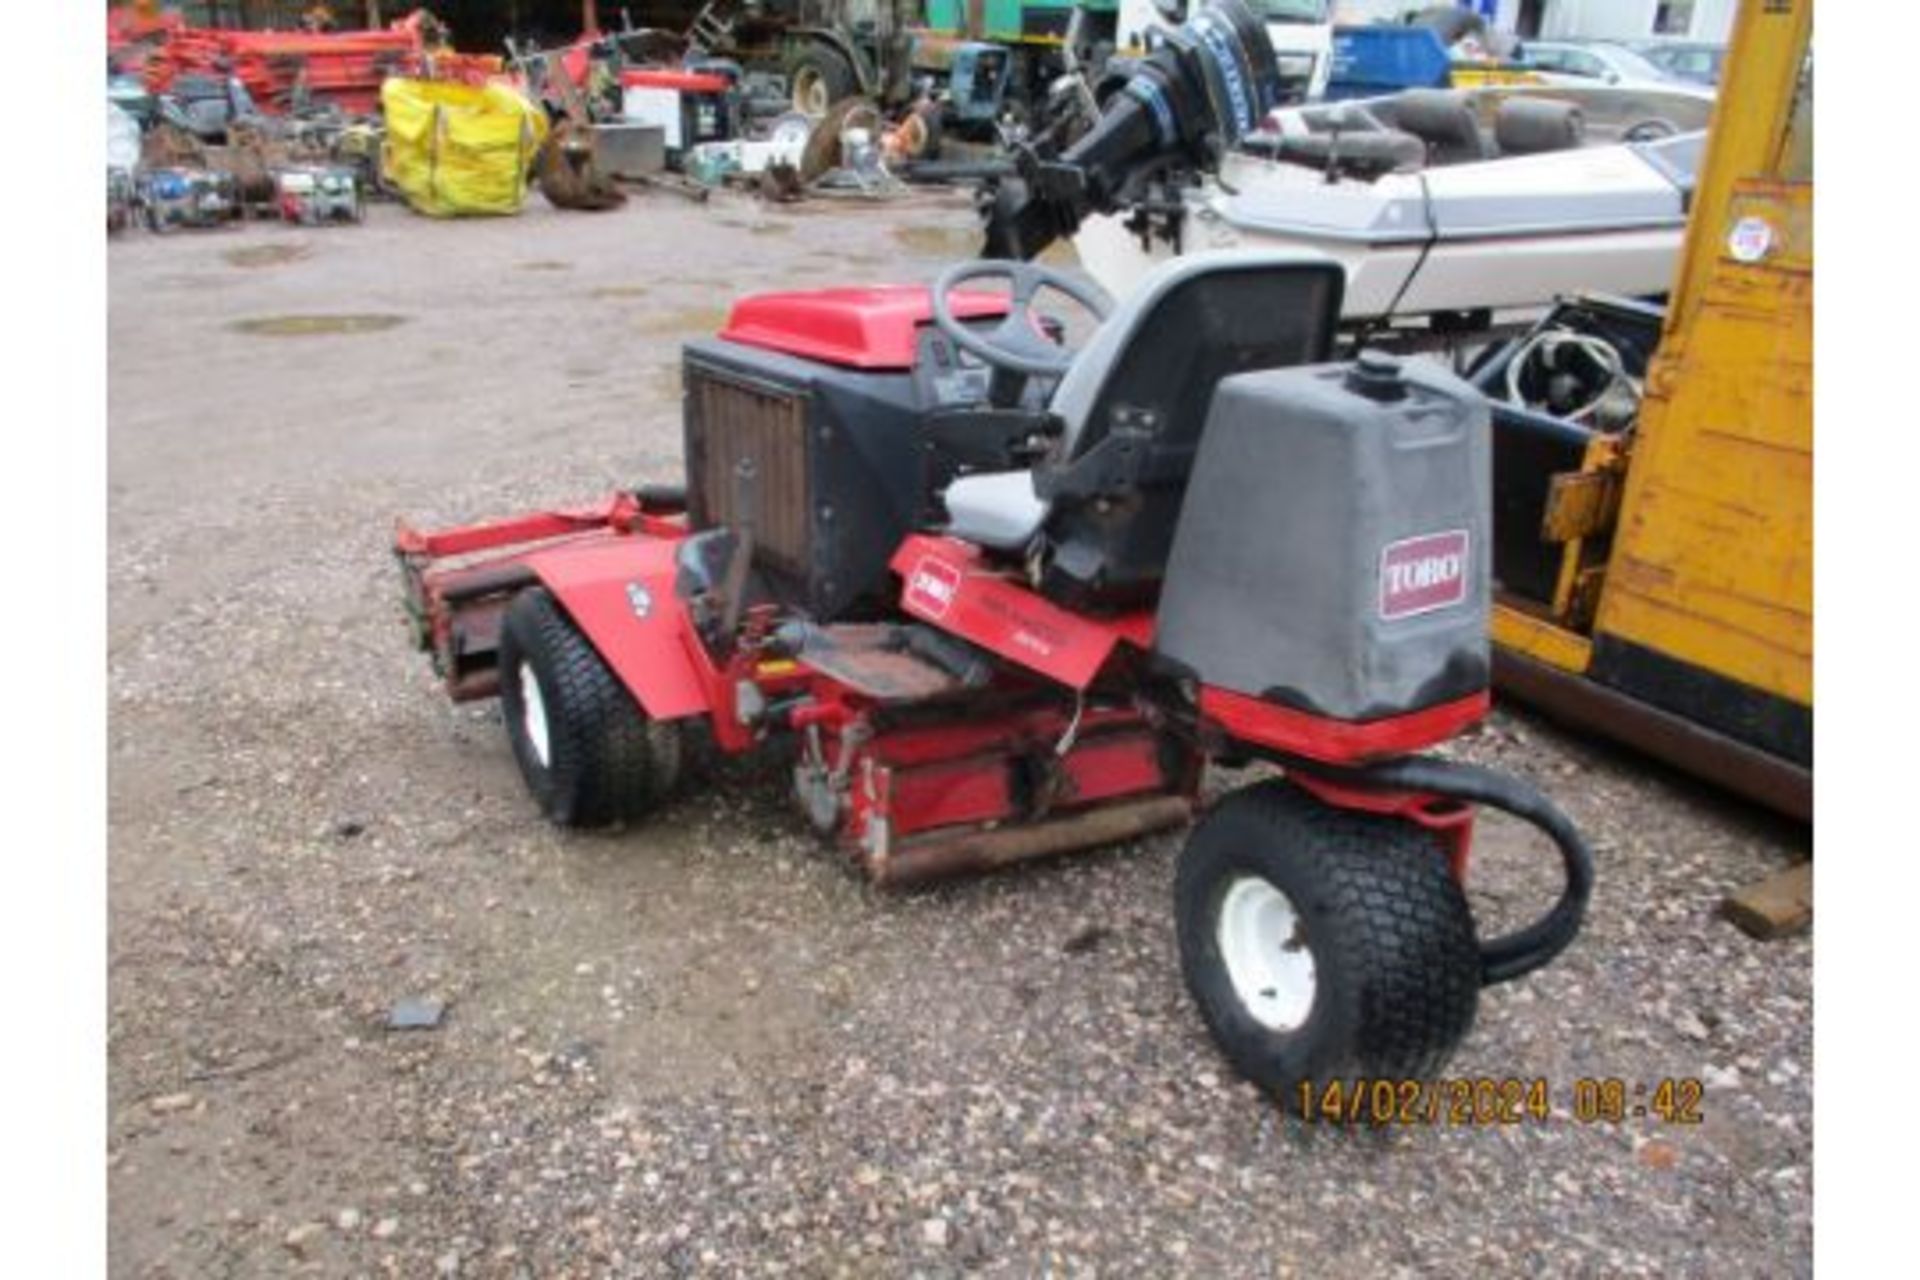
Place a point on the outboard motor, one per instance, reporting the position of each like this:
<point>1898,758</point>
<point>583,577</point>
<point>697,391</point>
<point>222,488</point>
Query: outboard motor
<point>1197,93</point>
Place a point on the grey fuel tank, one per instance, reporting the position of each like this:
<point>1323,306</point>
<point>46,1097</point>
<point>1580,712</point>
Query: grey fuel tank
<point>1332,550</point>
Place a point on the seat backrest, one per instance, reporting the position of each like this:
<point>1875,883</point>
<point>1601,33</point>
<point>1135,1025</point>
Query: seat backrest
<point>1440,118</point>
<point>1137,397</point>
<point>1527,126</point>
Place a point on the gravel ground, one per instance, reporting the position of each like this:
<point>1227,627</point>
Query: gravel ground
<point>702,1046</point>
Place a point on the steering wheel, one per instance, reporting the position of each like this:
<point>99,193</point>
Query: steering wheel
<point>1016,343</point>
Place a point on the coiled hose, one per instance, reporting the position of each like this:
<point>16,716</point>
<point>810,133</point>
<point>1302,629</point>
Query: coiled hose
<point>1521,952</point>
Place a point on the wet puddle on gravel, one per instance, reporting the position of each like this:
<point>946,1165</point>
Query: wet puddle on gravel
<point>267,255</point>
<point>684,321</point>
<point>956,244</point>
<point>939,242</point>
<point>312,326</point>
<point>613,291</point>
<point>544,264</point>
<point>759,227</point>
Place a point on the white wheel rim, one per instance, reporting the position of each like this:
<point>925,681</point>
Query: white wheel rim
<point>533,712</point>
<point>1264,947</point>
<point>810,92</point>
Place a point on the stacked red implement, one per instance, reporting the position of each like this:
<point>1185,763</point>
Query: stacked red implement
<point>344,68</point>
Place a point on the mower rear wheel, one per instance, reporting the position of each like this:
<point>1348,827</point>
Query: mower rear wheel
<point>1323,944</point>
<point>588,752</point>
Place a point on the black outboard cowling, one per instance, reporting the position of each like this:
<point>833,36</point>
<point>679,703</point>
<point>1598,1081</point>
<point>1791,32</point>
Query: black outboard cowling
<point>1202,88</point>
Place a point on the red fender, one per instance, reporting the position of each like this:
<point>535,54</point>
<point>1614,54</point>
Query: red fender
<point>948,582</point>
<point>619,592</point>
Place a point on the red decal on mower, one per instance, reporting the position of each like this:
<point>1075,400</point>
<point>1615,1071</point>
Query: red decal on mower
<point>947,582</point>
<point>931,587</point>
<point>1419,575</point>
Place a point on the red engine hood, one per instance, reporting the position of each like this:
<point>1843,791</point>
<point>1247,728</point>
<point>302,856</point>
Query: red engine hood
<point>864,328</point>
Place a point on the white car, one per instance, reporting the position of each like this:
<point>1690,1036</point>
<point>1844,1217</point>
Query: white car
<point>1585,64</point>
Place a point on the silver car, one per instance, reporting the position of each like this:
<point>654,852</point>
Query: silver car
<point>1565,62</point>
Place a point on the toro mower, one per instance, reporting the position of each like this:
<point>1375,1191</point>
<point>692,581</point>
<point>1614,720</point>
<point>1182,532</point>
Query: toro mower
<point>1005,597</point>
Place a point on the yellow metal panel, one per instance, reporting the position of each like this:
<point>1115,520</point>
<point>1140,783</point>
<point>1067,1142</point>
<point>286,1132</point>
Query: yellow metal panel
<point>1765,63</point>
<point>1713,559</point>
<point>1539,639</point>
<point>1580,504</point>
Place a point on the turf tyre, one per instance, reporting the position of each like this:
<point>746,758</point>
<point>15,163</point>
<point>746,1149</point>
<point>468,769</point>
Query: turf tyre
<point>589,754</point>
<point>1395,965</point>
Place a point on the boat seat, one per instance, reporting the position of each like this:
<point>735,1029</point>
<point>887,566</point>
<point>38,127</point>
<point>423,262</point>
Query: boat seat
<point>1529,126</point>
<point>1365,153</point>
<point>1441,119</point>
<point>1131,407</point>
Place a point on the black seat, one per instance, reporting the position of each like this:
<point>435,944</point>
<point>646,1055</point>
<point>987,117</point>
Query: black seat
<point>1103,511</point>
<point>1528,126</point>
<point>1440,118</point>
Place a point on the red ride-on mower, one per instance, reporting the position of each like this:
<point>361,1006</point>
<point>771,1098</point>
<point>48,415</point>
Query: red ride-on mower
<point>1011,599</point>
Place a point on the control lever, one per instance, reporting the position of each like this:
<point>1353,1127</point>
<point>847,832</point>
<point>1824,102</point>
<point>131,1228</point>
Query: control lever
<point>733,588</point>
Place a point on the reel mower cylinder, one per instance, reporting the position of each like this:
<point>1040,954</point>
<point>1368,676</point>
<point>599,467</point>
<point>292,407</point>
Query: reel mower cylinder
<point>1332,552</point>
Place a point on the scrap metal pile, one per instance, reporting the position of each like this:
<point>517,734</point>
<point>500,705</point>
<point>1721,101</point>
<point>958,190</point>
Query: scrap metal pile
<point>308,125</point>
<point>208,126</point>
<point>284,71</point>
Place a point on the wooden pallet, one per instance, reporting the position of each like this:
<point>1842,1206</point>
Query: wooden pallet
<point>1775,907</point>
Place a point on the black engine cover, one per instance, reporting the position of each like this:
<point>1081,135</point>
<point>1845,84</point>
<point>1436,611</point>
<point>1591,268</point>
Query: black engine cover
<point>842,466</point>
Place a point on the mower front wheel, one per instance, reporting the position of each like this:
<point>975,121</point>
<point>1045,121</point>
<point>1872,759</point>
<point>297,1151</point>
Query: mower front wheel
<point>1323,944</point>
<point>589,753</point>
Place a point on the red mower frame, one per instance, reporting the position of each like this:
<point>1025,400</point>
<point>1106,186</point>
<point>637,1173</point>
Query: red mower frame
<point>611,568</point>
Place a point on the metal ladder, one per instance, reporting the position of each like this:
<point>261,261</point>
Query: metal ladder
<point>708,31</point>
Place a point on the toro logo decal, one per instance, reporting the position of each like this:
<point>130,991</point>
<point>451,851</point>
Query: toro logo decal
<point>1419,575</point>
<point>931,587</point>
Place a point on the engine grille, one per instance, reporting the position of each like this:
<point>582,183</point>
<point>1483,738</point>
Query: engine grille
<point>728,420</point>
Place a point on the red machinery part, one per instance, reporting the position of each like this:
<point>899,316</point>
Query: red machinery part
<point>874,328</point>
<point>949,583</point>
<point>1006,776</point>
<point>678,81</point>
<point>345,68</point>
<point>619,591</point>
<point>1299,733</point>
<point>459,581</point>
<point>1450,821</point>
<point>968,790</point>
<point>988,789</point>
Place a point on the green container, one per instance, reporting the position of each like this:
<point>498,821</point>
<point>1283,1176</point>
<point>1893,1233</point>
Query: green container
<point>1010,21</point>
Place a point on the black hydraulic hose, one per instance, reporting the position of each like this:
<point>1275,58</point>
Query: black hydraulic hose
<point>1524,950</point>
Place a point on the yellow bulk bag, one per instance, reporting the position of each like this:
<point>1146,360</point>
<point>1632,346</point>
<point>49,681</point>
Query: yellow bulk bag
<point>455,149</point>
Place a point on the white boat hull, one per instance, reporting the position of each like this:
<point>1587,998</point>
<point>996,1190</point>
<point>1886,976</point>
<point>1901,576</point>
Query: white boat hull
<point>1499,274</point>
<point>1502,234</point>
